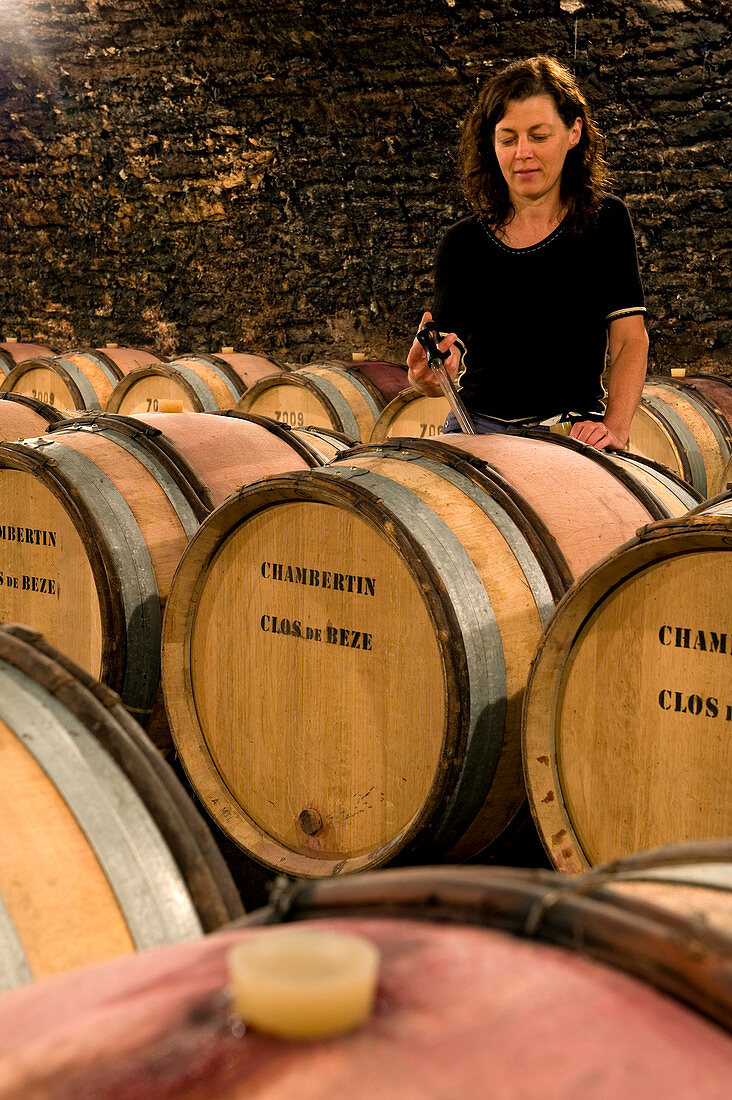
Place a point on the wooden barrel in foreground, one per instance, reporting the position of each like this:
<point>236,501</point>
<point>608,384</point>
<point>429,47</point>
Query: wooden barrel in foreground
<point>629,706</point>
<point>483,975</point>
<point>191,383</point>
<point>395,599</point>
<point>670,492</point>
<point>13,352</point>
<point>680,426</point>
<point>410,413</point>
<point>95,518</point>
<point>103,853</point>
<point>319,397</point>
<point>22,417</point>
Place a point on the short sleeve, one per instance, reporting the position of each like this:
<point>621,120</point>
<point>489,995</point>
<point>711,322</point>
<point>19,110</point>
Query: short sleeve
<point>623,295</point>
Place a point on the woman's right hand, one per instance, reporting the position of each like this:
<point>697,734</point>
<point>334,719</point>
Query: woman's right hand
<point>421,375</point>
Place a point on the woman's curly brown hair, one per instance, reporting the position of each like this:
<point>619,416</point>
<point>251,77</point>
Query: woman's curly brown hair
<point>584,176</point>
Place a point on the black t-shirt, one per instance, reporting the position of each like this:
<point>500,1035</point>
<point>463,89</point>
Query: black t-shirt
<point>534,320</point>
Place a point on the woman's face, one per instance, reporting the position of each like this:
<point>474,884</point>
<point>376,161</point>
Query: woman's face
<point>531,142</point>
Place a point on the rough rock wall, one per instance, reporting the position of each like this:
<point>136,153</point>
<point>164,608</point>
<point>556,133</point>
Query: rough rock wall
<point>276,175</point>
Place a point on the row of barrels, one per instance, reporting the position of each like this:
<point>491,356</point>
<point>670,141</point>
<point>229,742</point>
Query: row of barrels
<point>684,423</point>
<point>387,604</point>
<point>426,572</point>
<point>130,380</point>
<point>419,578</point>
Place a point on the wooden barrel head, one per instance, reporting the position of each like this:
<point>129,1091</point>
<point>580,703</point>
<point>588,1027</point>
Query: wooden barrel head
<point>42,833</point>
<point>411,414</point>
<point>106,520</point>
<point>319,397</point>
<point>147,388</point>
<point>290,402</point>
<point>42,380</point>
<point>326,605</point>
<point>47,577</point>
<point>103,853</point>
<point>628,708</point>
<point>660,708</point>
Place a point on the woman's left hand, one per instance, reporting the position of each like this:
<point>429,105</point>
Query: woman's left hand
<point>597,434</point>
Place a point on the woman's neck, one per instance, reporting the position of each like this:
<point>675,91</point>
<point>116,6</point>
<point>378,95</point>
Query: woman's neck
<point>531,223</point>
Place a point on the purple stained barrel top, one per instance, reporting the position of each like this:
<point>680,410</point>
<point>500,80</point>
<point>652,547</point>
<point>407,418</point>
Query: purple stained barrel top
<point>389,378</point>
<point>460,1011</point>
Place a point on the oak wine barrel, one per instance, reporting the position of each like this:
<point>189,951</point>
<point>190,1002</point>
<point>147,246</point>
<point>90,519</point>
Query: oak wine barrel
<point>81,379</point>
<point>22,417</point>
<point>250,367</point>
<point>102,853</point>
<point>323,444</point>
<point>67,385</point>
<point>191,383</point>
<point>319,397</point>
<point>389,378</point>
<point>455,551</point>
<point>671,492</point>
<point>481,974</point>
<point>628,710</point>
<point>410,413</point>
<point>13,352</point>
<point>715,388</point>
<point>127,359</point>
<point>95,517</point>
<point>693,879</point>
<point>678,425</point>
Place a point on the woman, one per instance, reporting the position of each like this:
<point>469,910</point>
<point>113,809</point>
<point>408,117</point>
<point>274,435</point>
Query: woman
<point>543,279</point>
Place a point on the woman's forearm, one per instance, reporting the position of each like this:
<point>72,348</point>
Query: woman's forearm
<point>625,388</point>
<point>628,364</point>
